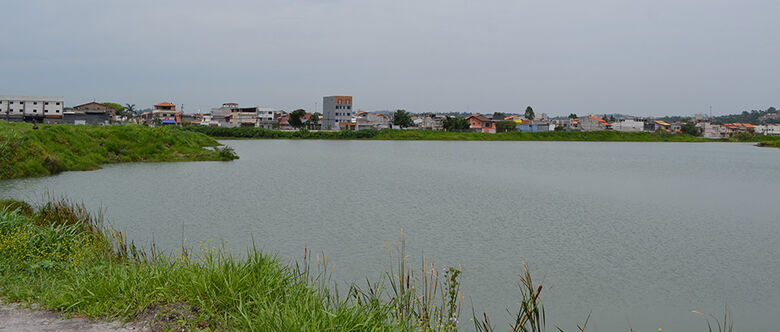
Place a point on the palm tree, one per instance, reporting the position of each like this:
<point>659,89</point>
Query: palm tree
<point>130,110</point>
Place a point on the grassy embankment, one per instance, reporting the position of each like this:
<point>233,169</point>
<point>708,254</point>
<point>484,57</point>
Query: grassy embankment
<point>52,149</point>
<point>386,134</point>
<point>61,257</point>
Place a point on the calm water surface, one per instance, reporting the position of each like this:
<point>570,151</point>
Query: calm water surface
<point>638,234</point>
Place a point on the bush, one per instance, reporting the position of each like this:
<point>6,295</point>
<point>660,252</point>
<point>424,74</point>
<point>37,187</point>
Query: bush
<point>20,207</point>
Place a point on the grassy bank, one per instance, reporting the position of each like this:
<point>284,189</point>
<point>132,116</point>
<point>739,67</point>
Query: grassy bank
<point>428,135</point>
<point>52,149</point>
<point>614,136</point>
<point>61,257</point>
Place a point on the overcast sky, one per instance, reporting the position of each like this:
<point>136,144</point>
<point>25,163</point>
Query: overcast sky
<point>643,57</point>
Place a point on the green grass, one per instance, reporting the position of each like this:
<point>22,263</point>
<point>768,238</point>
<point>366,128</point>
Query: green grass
<point>61,257</point>
<point>597,136</point>
<point>52,149</point>
<point>417,135</point>
<point>387,134</point>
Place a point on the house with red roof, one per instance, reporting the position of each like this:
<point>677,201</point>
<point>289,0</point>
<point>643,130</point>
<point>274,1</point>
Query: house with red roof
<point>592,123</point>
<point>481,123</point>
<point>164,112</point>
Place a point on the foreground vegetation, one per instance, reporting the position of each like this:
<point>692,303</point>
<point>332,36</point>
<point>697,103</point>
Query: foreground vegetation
<point>52,149</point>
<point>60,256</point>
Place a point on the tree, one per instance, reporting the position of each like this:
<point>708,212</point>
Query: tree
<point>313,121</point>
<point>500,115</point>
<point>118,109</point>
<point>572,116</point>
<point>611,118</point>
<point>452,123</point>
<point>690,129</point>
<point>504,126</point>
<point>402,118</point>
<point>129,110</point>
<point>295,118</point>
<point>529,113</point>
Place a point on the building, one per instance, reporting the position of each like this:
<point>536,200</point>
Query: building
<point>533,126</point>
<point>365,120</point>
<point>592,123</point>
<point>710,130</point>
<point>658,125</point>
<point>31,108</point>
<point>736,128</point>
<point>481,123</point>
<point>768,129</point>
<point>164,112</point>
<point>628,125</point>
<point>92,113</point>
<point>336,112</point>
<point>565,124</point>
<point>266,118</point>
<point>433,122</point>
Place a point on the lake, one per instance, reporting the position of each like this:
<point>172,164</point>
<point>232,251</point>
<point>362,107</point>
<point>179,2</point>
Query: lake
<point>636,234</point>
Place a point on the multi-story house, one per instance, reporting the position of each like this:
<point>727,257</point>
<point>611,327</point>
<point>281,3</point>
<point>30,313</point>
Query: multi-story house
<point>565,124</point>
<point>768,129</point>
<point>230,115</point>
<point>481,123</point>
<point>592,123</point>
<point>93,113</point>
<point>628,125</point>
<point>31,108</point>
<point>265,118</point>
<point>165,113</point>
<point>337,112</point>
<point>710,130</point>
<point>364,120</point>
<point>433,122</point>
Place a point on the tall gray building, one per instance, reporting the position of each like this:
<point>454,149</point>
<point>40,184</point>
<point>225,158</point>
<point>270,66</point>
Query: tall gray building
<point>336,110</point>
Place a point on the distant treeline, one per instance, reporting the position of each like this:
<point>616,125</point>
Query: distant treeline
<point>754,117</point>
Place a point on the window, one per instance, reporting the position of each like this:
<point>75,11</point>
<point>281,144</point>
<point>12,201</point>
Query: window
<point>11,102</point>
<point>35,103</point>
<point>58,103</point>
<point>349,107</point>
<point>47,103</point>
<point>58,111</point>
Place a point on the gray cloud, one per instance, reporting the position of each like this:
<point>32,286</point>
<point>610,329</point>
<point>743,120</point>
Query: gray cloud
<point>641,57</point>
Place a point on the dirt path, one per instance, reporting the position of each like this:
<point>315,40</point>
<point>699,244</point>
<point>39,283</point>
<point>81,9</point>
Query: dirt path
<point>14,318</point>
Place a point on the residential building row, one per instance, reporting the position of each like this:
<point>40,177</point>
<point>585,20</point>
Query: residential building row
<point>338,114</point>
<point>40,109</point>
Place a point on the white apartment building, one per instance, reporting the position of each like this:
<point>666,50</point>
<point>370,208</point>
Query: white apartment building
<point>336,110</point>
<point>768,129</point>
<point>27,108</point>
<point>265,117</point>
<point>628,125</point>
